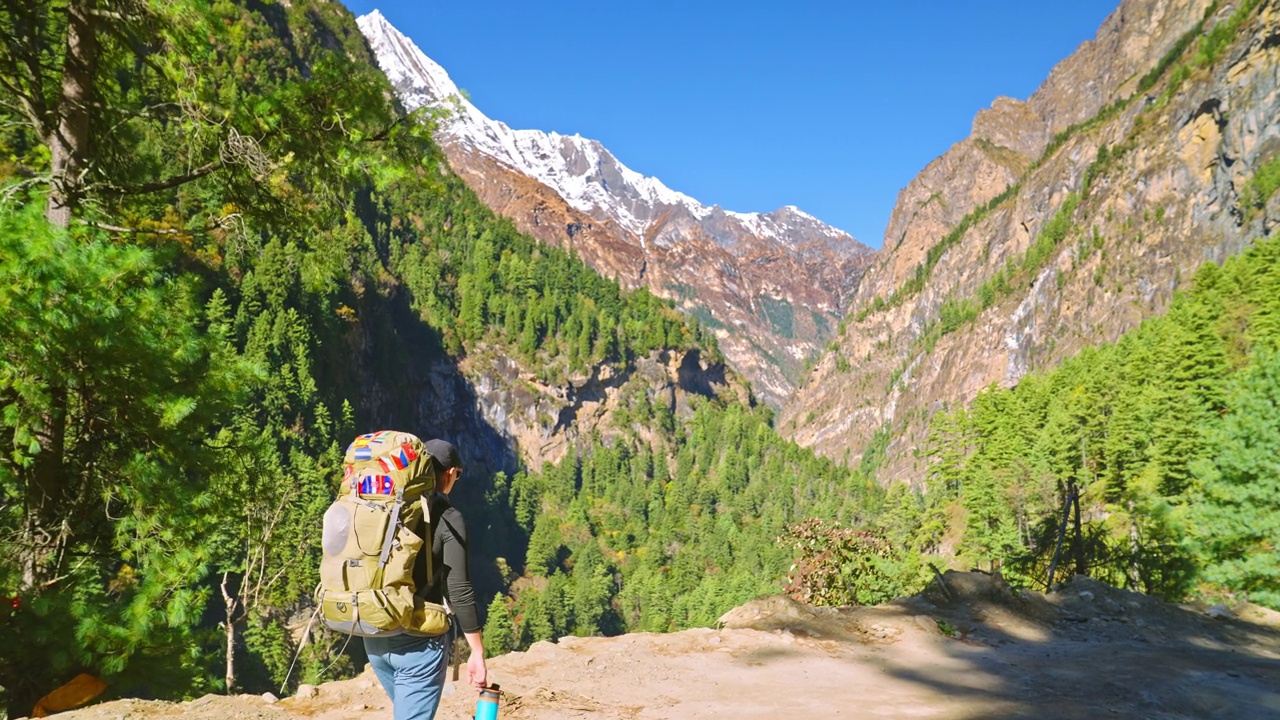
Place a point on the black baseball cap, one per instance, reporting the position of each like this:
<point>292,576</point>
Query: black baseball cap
<point>445,453</point>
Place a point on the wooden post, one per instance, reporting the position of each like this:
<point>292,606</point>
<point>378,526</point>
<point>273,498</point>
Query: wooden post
<point>1082,560</point>
<point>1062,532</point>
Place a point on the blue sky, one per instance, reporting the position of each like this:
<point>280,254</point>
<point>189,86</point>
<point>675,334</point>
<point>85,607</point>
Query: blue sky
<point>830,106</point>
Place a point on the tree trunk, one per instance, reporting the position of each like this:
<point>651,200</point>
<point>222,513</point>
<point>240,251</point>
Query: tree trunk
<point>68,147</point>
<point>231,656</point>
<point>45,495</point>
<point>230,627</point>
<point>69,142</point>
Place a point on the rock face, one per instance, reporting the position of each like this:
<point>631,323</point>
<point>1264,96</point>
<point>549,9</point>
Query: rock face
<point>546,421</point>
<point>772,287</point>
<point>1147,176</point>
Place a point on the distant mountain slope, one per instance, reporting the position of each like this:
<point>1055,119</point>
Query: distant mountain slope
<point>1060,223</point>
<point>773,286</point>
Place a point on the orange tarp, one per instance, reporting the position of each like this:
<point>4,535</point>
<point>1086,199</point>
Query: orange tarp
<point>80,690</point>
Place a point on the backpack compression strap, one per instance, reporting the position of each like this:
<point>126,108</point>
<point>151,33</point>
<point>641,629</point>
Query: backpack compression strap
<point>389,539</point>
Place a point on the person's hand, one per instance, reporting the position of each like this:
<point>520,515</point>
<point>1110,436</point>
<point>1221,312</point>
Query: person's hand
<point>477,673</point>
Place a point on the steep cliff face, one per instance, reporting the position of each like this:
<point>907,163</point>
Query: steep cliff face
<point>771,286</point>
<point>1059,224</point>
<point>545,422</point>
<point>498,410</point>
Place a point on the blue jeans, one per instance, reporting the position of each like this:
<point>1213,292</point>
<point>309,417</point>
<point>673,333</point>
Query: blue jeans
<point>412,671</point>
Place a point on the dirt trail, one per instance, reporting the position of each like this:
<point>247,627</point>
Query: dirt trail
<point>976,650</point>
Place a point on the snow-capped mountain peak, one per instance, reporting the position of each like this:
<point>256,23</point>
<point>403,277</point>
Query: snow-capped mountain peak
<point>581,170</point>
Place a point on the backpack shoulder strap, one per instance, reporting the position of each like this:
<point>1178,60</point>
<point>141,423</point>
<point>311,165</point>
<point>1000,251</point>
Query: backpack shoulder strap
<point>428,535</point>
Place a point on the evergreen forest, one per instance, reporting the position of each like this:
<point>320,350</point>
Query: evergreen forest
<point>226,250</point>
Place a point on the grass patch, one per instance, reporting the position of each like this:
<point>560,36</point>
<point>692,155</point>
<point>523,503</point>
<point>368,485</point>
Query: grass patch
<point>1259,189</point>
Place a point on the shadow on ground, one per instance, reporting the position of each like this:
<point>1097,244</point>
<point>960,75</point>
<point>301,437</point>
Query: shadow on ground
<point>1085,650</point>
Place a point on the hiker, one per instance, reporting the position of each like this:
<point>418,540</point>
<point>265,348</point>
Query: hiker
<point>410,667</point>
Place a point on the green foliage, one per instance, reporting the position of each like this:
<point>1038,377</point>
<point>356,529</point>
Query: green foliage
<point>1209,46</point>
<point>1166,61</point>
<point>1215,42</point>
<point>479,279</point>
<point>672,529</point>
<point>924,270</point>
<point>499,628</point>
<point>177,396</point>
<point>955,314</point>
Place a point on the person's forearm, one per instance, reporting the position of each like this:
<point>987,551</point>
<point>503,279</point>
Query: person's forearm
<point>477,644</point>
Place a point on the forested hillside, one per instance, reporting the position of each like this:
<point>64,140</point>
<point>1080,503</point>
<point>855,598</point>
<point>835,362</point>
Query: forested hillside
<point>667,526</point>
<point>1151,463</point>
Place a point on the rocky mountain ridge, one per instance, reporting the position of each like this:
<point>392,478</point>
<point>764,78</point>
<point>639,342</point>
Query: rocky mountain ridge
<point>1060,223</point>
<point>772,286</point>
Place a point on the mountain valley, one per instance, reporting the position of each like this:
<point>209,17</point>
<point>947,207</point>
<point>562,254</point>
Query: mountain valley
<point>1021,461</point>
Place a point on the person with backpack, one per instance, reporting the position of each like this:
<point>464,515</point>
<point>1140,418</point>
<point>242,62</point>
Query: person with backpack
<point>395,567</point>
<point>410,668</point>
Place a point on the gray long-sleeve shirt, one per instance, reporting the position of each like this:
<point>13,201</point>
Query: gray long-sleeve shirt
<point>449,559</point>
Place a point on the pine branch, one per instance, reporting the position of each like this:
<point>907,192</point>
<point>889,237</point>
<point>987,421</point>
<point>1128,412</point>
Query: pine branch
<point>11,191</point>
<point>137,231</point>
<point>22,56</point>
<point>24,105</point>
<point>216,224</point>
<point>167,183</point>
<point>385,132</point>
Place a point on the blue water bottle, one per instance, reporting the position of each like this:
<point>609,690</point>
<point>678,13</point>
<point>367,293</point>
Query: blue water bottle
<point>487,705</point>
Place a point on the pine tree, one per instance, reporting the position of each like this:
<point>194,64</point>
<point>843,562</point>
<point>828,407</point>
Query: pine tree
<point>990,534</point>
<point>499,629</point>
<point>1237,517</point>
<point>102,350</point>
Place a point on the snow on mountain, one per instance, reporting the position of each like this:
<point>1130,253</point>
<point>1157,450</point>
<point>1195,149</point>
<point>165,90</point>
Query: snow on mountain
<point>581,170</point>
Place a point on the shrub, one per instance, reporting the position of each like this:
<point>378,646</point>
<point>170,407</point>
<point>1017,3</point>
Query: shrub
<point>842,566</point>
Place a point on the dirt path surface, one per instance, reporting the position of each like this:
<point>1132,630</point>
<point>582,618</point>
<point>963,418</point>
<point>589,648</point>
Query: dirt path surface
<point>973,650</point>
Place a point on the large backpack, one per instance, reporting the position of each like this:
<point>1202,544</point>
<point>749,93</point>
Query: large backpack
<point>371,541</point>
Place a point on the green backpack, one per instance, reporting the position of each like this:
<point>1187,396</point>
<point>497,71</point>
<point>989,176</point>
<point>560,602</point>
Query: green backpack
<point>370,544</point>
